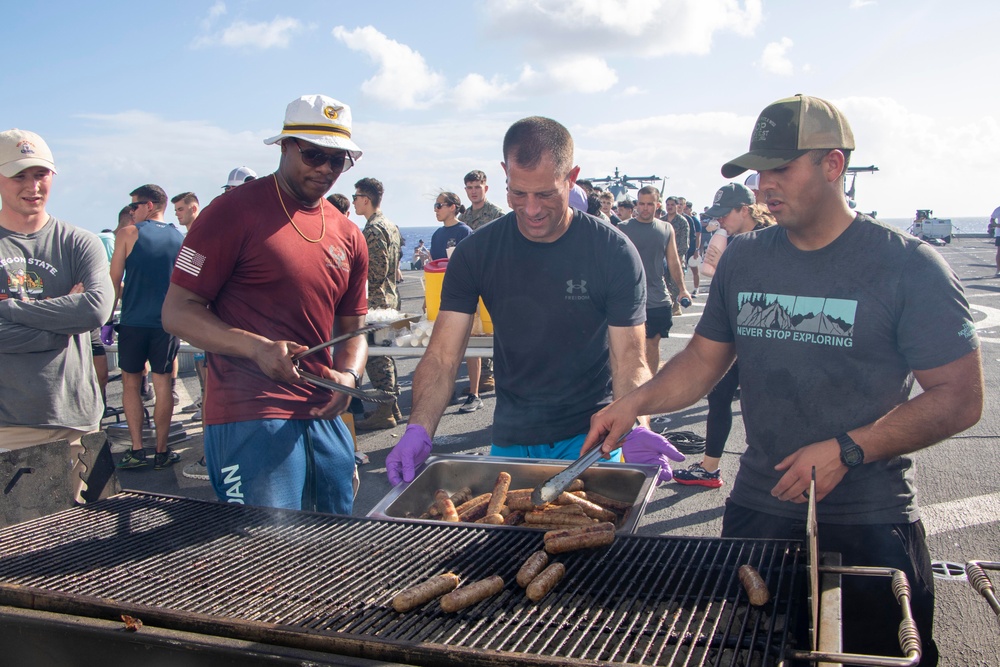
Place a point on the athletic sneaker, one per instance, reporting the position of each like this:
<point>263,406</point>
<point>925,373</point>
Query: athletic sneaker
<point>194,407</point>
<point>695,475</point>
<point>132,459</point>
<point>472,403</point>
<point>165,459</point>
<point>196,470</point>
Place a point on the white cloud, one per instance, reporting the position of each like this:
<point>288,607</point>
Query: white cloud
<point>403,80</point>
<point>633,90</point>
<point>636,27</point>
<point>214,12</point>
<point>858,4</point>
<point>775,59</point>
<point>474,91</point>
<point>264,35</point>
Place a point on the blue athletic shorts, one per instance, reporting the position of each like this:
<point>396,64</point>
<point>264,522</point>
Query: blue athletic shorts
<point>568,449</point>
<point>302,464</point>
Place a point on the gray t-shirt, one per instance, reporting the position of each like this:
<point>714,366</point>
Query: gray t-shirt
<point>826,340</point>
<point>47,375</point>
<point>651,240</point>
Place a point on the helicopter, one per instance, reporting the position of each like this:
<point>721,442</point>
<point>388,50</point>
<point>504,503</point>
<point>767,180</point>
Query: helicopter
<point>853,172</point>
<point>619,185</point>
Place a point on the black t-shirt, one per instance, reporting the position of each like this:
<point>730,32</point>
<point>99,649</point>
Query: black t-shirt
<point>551,304</point>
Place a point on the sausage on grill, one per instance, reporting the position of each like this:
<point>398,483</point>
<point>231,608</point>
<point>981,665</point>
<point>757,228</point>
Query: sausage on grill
<point>466,596</point>
<point>536,563</point>
<point>543,584</point>
<point>579,530</point>
<point>558,545</point>
<point>424,592</point>
<point>754,585</point>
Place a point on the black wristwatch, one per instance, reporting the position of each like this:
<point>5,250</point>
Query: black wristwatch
<point>851,454</point>
<point>357,378</point>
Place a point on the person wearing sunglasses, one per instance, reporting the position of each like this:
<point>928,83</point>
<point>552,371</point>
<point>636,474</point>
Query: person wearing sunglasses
<point>447,208</point>
<point>271,269</point>
<point>383,239</point>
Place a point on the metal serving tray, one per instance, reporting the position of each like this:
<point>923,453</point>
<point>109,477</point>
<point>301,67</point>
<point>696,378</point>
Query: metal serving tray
<point>628,482</point>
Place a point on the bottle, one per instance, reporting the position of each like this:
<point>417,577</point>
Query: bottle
<point>714,251</point>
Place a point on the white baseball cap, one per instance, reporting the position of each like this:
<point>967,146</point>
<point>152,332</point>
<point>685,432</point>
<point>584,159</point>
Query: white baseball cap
<point>320,120</point>
<point>239,176</point>
<point>20,149</point>
<point>753,181</point>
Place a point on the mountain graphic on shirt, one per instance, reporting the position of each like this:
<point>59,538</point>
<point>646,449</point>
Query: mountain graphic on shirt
<point>816,315</point>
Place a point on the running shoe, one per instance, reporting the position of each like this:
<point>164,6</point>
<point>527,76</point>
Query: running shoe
<point>472,403</point>
<point>695,475</point>
<point>132,459</point>
<point>196,470</point>
<point>165,459</point>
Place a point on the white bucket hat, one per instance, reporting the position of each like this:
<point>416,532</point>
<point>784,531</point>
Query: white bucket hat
<point>20,149</point>
<point>320,120</point>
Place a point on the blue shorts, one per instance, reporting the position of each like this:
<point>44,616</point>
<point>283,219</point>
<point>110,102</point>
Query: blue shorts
<point>302,464</point>
<point>568,449</point>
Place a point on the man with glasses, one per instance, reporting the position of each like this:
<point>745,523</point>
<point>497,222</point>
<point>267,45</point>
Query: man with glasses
<point>144,256</point>
<point>383,240</point>
<point>271,269</point>
<point>54,290</point>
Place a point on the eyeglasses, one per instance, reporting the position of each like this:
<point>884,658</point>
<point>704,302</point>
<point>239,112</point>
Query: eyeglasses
<point>439,205</point>
<point>315,158</point>
<point>355,197</point>
<point>136,204</point>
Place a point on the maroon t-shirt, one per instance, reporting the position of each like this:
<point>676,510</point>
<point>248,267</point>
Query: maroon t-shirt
<point>259,274</point>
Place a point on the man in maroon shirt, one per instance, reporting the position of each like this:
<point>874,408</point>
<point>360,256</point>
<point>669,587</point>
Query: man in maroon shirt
<point>271,269</point>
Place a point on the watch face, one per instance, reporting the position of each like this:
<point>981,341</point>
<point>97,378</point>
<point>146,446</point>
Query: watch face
<point>851,456</point>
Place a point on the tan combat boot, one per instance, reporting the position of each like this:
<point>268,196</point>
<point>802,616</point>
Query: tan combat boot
<point>379,419</point>
<point>397,414</point>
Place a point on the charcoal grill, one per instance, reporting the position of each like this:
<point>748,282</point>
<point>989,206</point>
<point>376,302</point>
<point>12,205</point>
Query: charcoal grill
<point>325,583</point>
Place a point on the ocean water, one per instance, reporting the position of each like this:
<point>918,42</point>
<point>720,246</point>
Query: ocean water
<point>411,235</point>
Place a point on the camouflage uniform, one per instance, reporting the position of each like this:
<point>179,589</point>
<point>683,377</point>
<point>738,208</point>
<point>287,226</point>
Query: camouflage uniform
<point>383,257</point>
<point>476,219</point>
<point>681,236</point>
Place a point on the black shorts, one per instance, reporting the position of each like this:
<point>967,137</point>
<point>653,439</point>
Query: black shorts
<point>96,344</point>
<point>658,322</point>
<point>137,345</point>
<point>996,241</point>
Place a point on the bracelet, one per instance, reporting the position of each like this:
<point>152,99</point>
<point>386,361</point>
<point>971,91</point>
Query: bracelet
<point>357,377</point>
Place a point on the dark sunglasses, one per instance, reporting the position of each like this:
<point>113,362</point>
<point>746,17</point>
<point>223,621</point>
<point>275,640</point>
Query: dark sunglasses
<point>315,158</point>
<point>136,204</point>
<point>355,197</point>
<point>438,205</point>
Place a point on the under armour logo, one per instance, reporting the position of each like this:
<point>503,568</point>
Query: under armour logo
<point>572,287</point>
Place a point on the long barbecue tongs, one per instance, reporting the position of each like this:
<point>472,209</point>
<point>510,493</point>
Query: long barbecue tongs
<point>373,395</point>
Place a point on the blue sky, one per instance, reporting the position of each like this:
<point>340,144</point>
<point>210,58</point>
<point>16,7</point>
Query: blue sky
<point>179,93</point>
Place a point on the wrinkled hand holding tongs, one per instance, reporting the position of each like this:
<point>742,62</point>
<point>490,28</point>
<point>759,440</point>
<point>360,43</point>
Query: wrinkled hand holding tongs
<point>374,395</point>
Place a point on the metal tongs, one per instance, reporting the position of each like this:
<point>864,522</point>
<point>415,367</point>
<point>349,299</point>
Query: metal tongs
<point>373,395</point>
<point>549,490</point>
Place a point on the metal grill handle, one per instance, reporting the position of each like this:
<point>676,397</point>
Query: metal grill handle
<point>909,637</point>
<point>982,584</point>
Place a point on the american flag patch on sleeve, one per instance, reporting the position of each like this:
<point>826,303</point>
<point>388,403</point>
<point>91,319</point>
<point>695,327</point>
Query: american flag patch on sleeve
<point>190,261</point>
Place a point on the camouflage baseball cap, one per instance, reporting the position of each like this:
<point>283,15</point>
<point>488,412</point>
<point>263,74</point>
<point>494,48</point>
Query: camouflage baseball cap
<point>788,129</point>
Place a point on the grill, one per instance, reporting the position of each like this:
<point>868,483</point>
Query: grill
<point>325,583</point>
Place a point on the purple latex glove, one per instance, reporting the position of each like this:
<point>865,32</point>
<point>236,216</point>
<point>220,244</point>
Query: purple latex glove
<point>108,334</point>
<point>411,451</point>
<point>644,446</point>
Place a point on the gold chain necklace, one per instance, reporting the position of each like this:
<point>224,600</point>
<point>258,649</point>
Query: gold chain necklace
<point>322,216</point>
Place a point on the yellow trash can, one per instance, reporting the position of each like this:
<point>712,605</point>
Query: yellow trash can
<point>433,280</point>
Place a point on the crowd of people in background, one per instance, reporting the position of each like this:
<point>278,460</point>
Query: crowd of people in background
<point>581,289</point>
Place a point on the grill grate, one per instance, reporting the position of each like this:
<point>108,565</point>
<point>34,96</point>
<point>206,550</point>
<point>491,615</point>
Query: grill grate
<point>320,581</point>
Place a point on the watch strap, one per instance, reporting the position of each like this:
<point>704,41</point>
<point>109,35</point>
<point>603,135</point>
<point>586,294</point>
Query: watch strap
<point>355,374</point>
